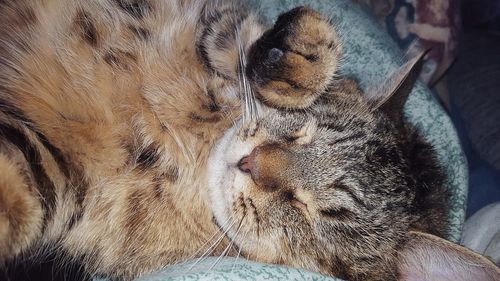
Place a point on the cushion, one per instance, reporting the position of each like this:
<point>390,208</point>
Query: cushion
<point>370,55</point>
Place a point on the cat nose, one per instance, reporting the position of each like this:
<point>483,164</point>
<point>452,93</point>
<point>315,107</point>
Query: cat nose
<point>247,163</point>
<point>268,166</point>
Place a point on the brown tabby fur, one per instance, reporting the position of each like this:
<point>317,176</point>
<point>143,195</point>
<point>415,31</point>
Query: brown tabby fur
<point>109,110</point>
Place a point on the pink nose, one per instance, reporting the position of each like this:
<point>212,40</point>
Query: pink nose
<point>247,164</point>
<point>267,165</point>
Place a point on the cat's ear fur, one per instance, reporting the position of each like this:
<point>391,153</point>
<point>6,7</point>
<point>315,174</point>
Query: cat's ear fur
<point>391,96</point>
<point>426,257</point>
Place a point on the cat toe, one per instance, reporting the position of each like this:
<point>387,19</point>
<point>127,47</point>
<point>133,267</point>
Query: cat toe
<point>293,62</point>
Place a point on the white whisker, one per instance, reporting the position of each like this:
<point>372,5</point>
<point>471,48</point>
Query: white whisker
<point>244,236</point>
<point>249,105</point>
<point>212,247</point>
<point>209,240</point>
<point>226,250</point>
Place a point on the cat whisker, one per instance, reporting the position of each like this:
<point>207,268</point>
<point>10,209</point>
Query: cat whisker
<point>209,240</point>
<point>249,104</point>
<point>216,239</point>
<point>223,254</point>
<point>226,250</point>
<point>213,246</point>
<point>229,115</point>
<point>244,236</point>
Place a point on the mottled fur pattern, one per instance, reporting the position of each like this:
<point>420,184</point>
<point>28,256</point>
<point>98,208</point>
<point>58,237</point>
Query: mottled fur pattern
<point>114,115</point>
<point>107,119</point>
<point>345,176</point>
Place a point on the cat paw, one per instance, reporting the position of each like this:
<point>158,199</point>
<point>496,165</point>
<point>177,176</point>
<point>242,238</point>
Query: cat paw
<point>291,64</point>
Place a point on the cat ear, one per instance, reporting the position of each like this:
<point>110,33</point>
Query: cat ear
<point>427,257</point>
<point>391,96</point>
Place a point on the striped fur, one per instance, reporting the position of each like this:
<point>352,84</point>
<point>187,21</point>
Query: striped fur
<point>107,116</point>
<point>114,115</point>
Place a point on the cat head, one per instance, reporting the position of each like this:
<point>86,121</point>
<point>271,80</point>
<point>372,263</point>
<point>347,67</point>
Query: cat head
<point>334,188</point>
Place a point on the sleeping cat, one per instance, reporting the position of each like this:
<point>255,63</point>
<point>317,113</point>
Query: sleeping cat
<point>135,134</point>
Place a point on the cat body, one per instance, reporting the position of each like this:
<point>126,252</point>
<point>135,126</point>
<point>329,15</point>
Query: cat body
<point>118,115</point>
<point>122,123</point>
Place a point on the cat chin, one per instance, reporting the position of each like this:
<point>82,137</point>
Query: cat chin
<point>226,183</point>
<point>225,180</point>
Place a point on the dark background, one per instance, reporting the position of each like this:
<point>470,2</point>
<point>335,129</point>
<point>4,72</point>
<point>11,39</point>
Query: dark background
<point>474,90</point>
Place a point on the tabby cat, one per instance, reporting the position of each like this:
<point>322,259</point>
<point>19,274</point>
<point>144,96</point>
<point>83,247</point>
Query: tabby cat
<point>133,132</point>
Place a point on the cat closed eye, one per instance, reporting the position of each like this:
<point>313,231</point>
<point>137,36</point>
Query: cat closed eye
<point>291,139</point>
<point>294,201</point>
<point>338,213</point>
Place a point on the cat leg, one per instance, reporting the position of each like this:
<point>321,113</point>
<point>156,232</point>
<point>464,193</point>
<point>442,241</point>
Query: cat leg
<point>21,212</point>
<point>224,33</point>
<point>291,64</point>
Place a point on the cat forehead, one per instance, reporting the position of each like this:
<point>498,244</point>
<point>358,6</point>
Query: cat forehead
<point>332,126</point>
<point>331,112</point>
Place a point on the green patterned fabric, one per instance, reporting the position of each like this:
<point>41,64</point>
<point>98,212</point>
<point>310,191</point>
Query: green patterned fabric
<point>370,55</point>
<point>213,268</point>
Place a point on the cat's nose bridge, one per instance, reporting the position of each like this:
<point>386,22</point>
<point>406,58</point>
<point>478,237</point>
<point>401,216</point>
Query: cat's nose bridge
<point>268,166</point>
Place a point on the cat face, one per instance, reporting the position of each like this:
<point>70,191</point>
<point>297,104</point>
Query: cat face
<point>294,185</point>
<point>328,178</point>
<point>325,186</point>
